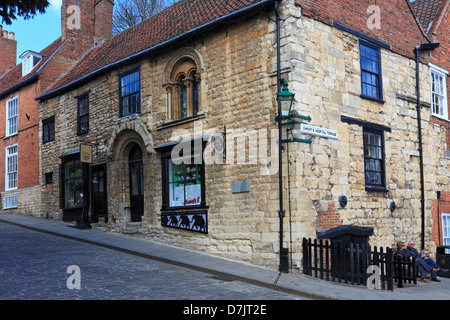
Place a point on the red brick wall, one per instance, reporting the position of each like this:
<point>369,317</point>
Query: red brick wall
<point>440,205</point>
<point>95,24</point>
<point>8,52</point>
<point>27,138</point>
<point>441,56</point>
<point>329,218</point>
<point>103,20</point>
<point>78,31</point>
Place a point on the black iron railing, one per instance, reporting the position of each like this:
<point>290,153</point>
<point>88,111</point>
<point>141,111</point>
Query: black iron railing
<point>355,264</point>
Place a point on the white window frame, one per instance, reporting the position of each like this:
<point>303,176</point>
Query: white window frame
<point>11,167</point>
<point>435,70</point>
<point>445,216</point>
<point>12,116</point>
<point>27,65</point>
<point>10,202</point>
<point>28,61</point>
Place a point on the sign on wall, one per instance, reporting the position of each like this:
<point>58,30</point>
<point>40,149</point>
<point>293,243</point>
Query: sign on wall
<point>86,153</point>
<point>318,131</point>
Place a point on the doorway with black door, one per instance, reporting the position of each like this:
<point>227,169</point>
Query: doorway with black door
<point>99,199</point>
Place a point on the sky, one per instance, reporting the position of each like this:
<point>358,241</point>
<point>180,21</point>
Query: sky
<point>36,33</point>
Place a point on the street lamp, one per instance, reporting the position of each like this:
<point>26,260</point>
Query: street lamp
<point>285,100</point>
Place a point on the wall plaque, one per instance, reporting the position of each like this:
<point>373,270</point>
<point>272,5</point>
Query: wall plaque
<point>240,186</point>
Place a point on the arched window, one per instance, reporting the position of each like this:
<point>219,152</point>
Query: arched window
<point>182,82</point>
<point>183,101</point>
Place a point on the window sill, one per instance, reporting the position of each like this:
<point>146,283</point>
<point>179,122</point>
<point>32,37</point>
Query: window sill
<point>82,133</point>
<point>172,123</point>
<point>132,116</point>
<point>10,135</point>
<point>372,98</point>
<point>440,117</point>
<point>376,189</point>
<point>184,209</point>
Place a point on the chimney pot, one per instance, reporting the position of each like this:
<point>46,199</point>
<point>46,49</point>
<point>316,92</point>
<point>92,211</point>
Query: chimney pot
<point>5,34</point>
<point>11,35</point>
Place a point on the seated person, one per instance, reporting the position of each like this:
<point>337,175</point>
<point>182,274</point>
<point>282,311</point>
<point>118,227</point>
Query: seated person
<point>421,265</point>
<point>414,253</point>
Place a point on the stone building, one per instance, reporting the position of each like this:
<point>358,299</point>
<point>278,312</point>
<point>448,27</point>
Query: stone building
<point>19,86</point>
<point>357,65</point>
<point>167,130</point>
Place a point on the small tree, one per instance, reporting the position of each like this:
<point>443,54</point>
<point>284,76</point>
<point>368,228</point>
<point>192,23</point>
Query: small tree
<point>128,13</point>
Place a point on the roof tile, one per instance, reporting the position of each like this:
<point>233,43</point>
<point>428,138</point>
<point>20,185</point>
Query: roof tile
<point>426,10</point>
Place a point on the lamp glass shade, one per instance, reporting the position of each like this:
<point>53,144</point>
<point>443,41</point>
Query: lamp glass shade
<point>285,100</point>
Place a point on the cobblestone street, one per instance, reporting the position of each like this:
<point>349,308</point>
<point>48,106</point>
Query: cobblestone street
<point>33,265</point>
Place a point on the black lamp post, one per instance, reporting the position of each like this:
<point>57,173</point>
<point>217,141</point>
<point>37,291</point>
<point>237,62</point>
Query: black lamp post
<point>285,100</point>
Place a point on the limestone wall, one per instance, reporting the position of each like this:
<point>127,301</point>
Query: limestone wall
<point>323,68</point>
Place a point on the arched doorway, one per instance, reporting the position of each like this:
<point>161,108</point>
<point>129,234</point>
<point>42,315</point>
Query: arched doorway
<point>136,183</point>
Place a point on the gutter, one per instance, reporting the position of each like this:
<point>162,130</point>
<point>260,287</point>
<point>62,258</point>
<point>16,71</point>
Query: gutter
<point>422,47</point>
<point>19,85</point>
<point>193,32</point>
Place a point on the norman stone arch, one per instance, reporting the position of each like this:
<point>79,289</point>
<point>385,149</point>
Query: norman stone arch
<point>126,130</point>
<point>182,81</point>
<point>181,55</point>
<point>128,134</point>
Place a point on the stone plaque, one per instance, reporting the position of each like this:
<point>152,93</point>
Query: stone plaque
<point>240,186</point>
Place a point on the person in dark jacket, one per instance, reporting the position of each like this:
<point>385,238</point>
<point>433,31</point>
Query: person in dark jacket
<point>421,256</point>
<point>421,265</point>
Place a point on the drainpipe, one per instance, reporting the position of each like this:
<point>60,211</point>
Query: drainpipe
<point>417,50</point>
<point>280,148</point>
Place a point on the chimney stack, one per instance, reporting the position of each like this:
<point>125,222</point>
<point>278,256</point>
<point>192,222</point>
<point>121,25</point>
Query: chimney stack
<point>103,19</point>
<point>85,23</point>
<point>8,51</point>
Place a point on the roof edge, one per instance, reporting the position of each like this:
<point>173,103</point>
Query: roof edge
<point>19,85</point>
<point>424,33</point>
<point>439,17</point>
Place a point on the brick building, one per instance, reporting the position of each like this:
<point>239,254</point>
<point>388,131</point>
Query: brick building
<point>19,86</point>
<point>134,128</point>
<point>434,16</point>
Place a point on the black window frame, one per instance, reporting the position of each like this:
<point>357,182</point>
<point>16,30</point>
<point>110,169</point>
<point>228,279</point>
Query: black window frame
<point>48,178</point>
<point>371,72</point>
<point>83,113</point>
<point>82,178</point>
<point>368,160</point>
<point>166,157</point>
<point>123,96</point>
<point>48,130</point>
